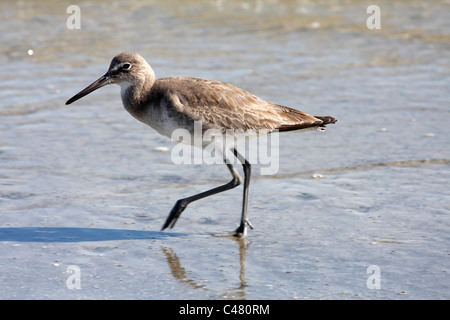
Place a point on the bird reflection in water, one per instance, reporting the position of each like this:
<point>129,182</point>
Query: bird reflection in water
<point>181,275</point>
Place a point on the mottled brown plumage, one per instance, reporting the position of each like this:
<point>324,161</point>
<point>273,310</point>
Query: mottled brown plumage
<point>171,103</point>
<point>223,106</point>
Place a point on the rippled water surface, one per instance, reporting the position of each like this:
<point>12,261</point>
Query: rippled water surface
<point>87,185</point>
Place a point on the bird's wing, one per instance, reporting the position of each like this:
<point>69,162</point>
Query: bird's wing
<point>223,106</point>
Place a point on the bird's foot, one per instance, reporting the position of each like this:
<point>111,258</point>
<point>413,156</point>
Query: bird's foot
<point>241,231</point>
<point>177,209</point>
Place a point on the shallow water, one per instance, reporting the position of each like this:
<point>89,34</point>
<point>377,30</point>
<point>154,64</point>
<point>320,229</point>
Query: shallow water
<point>85,185</point>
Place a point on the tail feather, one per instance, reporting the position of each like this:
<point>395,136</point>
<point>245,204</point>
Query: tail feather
<point>326,120</point>
<point>319,124</point>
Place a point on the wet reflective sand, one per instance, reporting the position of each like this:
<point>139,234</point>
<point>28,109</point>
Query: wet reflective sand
<point>85,185</point>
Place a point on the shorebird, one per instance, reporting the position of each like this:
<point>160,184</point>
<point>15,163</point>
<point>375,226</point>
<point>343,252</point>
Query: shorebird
<point>171,103</point>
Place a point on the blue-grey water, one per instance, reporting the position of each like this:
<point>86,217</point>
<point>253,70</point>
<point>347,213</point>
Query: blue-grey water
<point>88,185</point>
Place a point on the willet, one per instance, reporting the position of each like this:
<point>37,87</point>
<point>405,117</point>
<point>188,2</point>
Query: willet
<point>171,103</point>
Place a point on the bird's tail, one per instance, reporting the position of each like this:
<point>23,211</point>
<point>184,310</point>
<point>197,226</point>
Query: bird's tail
<point>326,120</point>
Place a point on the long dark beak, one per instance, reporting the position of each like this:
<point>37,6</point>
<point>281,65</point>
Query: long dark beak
<point>101,82</point>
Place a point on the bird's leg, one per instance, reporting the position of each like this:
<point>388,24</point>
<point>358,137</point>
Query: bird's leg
<point>241,231</point>
<point>181,204</point>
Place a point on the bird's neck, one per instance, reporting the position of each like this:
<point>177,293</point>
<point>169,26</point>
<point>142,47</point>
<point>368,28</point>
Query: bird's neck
<point>134,95</point>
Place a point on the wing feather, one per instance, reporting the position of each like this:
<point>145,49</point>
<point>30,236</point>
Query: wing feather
<point>223,106</point>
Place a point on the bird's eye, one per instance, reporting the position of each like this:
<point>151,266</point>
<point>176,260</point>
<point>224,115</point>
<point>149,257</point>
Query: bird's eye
<point>126,66</point>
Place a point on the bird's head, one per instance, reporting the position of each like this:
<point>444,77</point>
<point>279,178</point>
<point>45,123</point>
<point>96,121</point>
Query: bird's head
<point>126,69</point>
